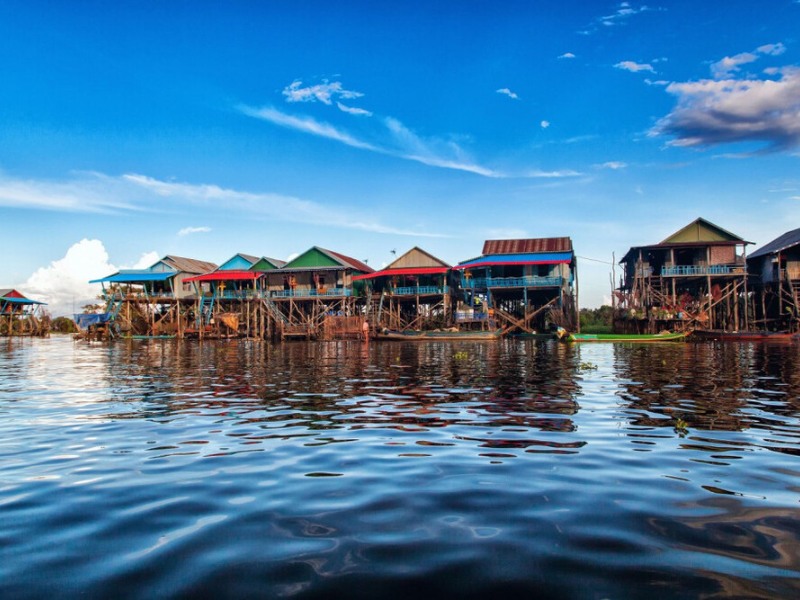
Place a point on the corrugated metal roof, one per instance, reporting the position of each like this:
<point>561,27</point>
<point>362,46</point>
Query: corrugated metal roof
<point>348,261</point>
<point>135,277</point>
<point>529,246</point>
<point>25,301</point>
<point>233,275</point>
<point>541,258</point>
<point>787,240</point>
<point>188,265</point>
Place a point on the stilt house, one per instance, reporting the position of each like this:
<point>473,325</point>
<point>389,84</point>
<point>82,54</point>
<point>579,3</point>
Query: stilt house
<point>697,277</point>
<point>315,294</point>
<point>523,285</point>
<point>18,315</point>
<point>775,278</point>
<point>153,301</point>
<point>412,293</point>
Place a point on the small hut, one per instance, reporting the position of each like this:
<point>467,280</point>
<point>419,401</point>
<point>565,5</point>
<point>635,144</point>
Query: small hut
<point>20,316</point>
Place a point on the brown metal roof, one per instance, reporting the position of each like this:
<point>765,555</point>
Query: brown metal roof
<point>188,265</point>
<point>559,244</point>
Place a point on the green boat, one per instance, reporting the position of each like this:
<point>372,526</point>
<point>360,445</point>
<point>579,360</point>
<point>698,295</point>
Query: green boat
<point>625,337</point>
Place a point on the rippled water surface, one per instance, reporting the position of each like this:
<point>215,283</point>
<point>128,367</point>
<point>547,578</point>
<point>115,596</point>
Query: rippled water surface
<point>336,469</point>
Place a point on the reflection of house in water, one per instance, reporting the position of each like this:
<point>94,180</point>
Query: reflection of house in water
<point>522,285</point>
<point>775,273</point>
<point>694,278</point>
<point>411,293</point>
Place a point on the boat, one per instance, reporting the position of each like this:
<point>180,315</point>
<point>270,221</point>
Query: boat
<point>403,336</point>
<point>666,336</point>
<point>743,336</point>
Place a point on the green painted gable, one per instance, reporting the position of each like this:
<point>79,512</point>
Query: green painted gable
<point>701,231</point>
<point>263,265</point>
<point>312,258</point>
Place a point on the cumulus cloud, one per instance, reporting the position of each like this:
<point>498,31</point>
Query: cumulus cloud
<point>191,230</point>
<point>544,124</point>
<point>634,67</point>
<point>508,92</point>
<point>710,112</point>
<point>567,55</point>
<point>64,283</point>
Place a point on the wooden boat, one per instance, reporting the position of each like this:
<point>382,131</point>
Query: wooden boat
<point>403,336</point>
<point>742,336</point>
<point>625,337</point>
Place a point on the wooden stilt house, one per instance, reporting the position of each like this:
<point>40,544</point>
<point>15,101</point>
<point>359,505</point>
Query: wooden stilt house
<point>19,316</point>
<point>230,299</point>
<point>522,285</point>
<point>155,301</point>
<point>412,293</point>
<point>695,278</point>
<point>315,294</point>
<point>775,280</point>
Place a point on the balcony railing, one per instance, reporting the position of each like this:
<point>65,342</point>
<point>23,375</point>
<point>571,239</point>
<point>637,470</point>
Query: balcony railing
<point>312,293</point>
<point>466,316</point>
<point>688,270</point>
<point>512,282</point>
<point>421,290</point>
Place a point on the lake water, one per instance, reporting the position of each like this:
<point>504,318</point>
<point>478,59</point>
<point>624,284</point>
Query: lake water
<point>161,468</point>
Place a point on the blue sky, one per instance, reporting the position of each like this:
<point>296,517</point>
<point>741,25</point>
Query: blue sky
<point>133,130</point>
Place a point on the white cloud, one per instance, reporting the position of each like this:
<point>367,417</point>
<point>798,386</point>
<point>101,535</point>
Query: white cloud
<point>634,67</point>
<point>146,260</point>
<point>324,92</point>
<point>508,92</point>
<point>89,193</point>
<point>624,11</point>
<point>353,111</point>
<point>710,112</point>
<point>730,64</point>
<point>64,284</point>
<point>614,165</point>
<point>306,125</point>
<point>567,55</point>
<point>544,124</point>
<point>191,230</point>
<point>661,82</point>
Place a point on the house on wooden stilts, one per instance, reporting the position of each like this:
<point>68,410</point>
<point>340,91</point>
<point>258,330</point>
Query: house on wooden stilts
<point>775,281</point>
<point>695,278</point>
<point>156,301</point>
<point>521,286</point>
<point>412,293</point>
<point>20,316</point>
<point>230,299</point>
<point>315,295</point>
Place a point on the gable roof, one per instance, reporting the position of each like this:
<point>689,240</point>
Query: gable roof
<point>416,257</point>
<point>320,258</point>
<point>701,230</point>
<point>187,265</point>
<point>274,263</point>
<point>780,243</point>
<point>237,261</point>
<point>12,296</point>
<point>527,246</point>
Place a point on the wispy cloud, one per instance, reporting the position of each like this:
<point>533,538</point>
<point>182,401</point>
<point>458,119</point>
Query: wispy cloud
<point>625,10</point>
<point>190,230</point>
<point>634,67</point>
<point>306,125</point>
<point>353,110</point>
<point>614,165</point>
<point>567,55</point>
<point>508,92</point>
<point>133,192</point>
<point>752,109</point>
<point>729,65</point>
<point>324,92</point>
